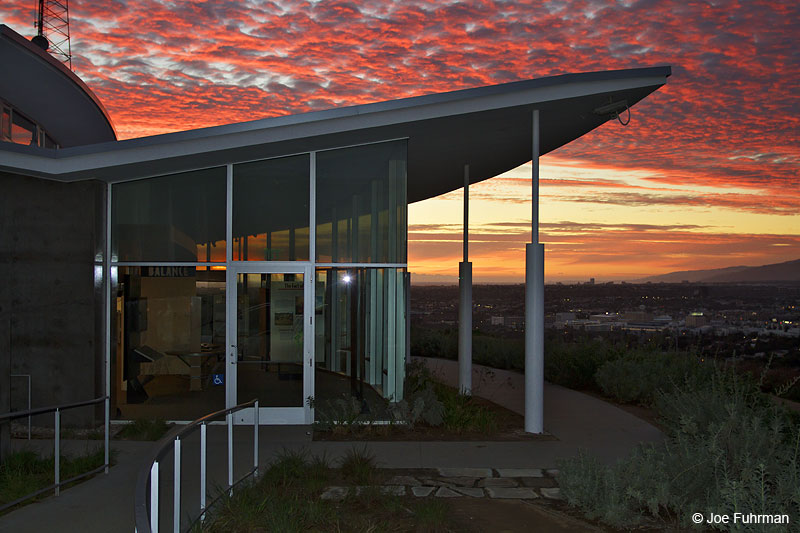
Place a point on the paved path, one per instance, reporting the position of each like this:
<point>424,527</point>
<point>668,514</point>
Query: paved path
<point>577,421</point>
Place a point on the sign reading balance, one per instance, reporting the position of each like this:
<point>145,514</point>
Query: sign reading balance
<point>168,272</point>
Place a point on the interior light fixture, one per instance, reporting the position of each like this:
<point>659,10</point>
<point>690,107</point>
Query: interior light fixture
<point>346,278</point>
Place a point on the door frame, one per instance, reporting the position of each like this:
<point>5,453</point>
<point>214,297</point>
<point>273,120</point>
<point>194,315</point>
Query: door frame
<point>301,415</point>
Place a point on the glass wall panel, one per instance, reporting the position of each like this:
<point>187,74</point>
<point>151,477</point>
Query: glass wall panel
<point>361,204</point>
<point>168,342</point>
<point>23,131</point>
<point>360,340</point>
<point>270,210</point>
<point>180,217</point>
<point>269,339</point>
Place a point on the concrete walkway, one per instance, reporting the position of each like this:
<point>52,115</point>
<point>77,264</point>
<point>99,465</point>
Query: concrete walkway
<point>577,421</point>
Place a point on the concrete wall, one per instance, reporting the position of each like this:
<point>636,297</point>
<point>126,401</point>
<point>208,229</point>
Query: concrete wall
<point>50,304</point>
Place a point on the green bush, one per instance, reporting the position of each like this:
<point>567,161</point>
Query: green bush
<point>636,376</point>
<point>574,365</point>
<point>728,449</point>
<point>144,429</point>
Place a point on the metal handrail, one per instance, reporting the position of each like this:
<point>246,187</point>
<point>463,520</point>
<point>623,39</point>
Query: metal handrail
<point>146,516</point>
<point>57,444</point>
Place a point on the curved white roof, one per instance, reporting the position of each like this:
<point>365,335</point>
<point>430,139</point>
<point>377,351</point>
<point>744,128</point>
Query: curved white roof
<point>488,128</point>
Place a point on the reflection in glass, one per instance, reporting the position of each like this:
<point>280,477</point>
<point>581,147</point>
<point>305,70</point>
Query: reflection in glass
<point>168,356</point>
<point>23,131</point>
<point>180,217</point>
<point>361,204</point>
<point>360,336</point>
<point>269,339</point>
<point>270,209</point>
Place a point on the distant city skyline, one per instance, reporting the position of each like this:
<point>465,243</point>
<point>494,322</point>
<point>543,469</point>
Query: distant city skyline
<point>705,176</point>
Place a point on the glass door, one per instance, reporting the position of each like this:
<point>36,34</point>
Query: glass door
<point>270,356</point>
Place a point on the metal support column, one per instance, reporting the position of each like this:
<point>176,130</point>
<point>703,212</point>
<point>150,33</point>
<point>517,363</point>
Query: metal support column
<point>465,303</point>
<point>534,305</point>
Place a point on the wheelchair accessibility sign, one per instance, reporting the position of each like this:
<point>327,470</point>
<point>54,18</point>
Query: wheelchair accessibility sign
<point>218,379</point>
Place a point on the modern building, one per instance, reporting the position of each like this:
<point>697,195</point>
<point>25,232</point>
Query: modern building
<point>186,272</point>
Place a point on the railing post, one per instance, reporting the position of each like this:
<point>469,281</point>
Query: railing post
<point>255,441</point>
<point>203,471</point>
<point>176,488</point>
<point>57,451</point>
<point>154,497</point>
<point>230,452</point>
<point>108,433</point>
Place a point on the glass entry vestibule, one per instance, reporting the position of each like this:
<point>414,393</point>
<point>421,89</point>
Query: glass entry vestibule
<point>281,279</point>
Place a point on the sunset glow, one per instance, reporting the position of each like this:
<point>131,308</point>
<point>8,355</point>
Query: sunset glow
<point>705,175</point>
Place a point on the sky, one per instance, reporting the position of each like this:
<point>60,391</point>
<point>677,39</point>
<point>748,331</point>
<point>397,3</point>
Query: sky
<point>706,175</point>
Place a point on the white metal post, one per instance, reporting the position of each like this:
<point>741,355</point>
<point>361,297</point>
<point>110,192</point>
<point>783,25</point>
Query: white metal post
<point>176,487</point>
<point>107,319</point>
<point>255,440</point>
<point>58,450</point>
<point>229,417</point>
<point>465,303</point>
<point>154,497</point>
<point>108,433</point>
<point>534,304</point>
<point>203,441</point>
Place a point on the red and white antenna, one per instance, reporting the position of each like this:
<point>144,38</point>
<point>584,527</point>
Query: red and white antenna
<point>53,29</point>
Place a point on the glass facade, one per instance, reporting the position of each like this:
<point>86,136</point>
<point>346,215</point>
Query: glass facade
<point>180,217</point>
<point>198,326</point>
<point>169,341</point>
<point>270,210</point>
<point>17,128</point>
<point>360,336</point>
<point>361,204</point>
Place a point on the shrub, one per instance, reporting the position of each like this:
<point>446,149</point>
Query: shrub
<point>635,377</point>
<point>728,449</point>
<point>358,466</point>
<point>144,429</point>
<point>574,365</point>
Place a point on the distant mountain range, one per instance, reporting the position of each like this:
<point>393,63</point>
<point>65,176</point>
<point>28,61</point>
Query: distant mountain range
<point>788,271</point>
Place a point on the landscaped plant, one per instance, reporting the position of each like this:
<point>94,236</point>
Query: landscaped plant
<point>358,466</point>
<point>728,449</point>
<point>287,499</point>
<point>636,376</point>
<point>144,429</point>
<point>25,472</point>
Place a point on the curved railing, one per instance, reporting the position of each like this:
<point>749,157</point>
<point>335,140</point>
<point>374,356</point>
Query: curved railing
<point>57,409</point>
<point>146,510</point>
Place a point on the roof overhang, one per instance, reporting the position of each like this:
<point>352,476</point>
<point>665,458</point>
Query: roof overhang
<point>489,128</point>
<point>42,88</point>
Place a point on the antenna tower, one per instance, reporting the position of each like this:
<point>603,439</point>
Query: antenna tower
<point>53,25</point>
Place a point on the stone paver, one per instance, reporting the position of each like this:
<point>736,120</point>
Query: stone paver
<point>554,493</point>
<point>520,472</point>
<point>537,482</point>
<point>422,492</point>
<point>517,493</point>
<point>334,493</point>
<point>552,471</point>
<point>497,482</point>
<point>394,490</point>
<point>459,481</point>
<point>444,492</point>
<point>404,480</point>
<point>471,492</point>
<point>465,472</point>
